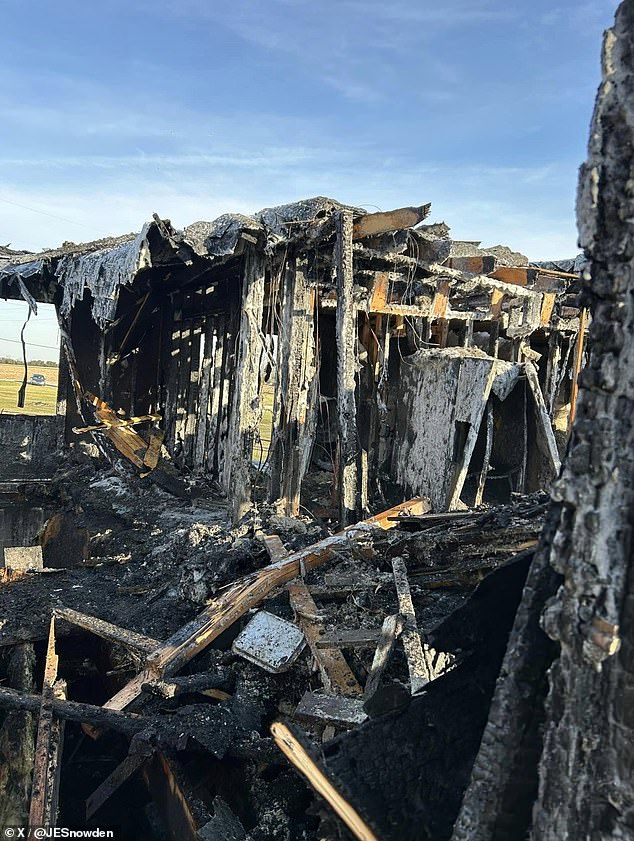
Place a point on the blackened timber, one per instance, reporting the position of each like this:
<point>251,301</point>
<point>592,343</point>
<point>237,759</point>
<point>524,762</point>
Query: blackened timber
<point>106,630</point>
<point>44,791</point>
<point>346,371</point>
<point>392,627</point>
<point>122,773</point>
<point>419,660</point>
<point>335,672</point>
<point>295,411</point>
<point>246,409</point>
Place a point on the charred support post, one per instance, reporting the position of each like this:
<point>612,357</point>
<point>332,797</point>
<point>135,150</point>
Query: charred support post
<point>346,371</point>
<point>295,393</point>
<point>246,410</point>
<point>48,749</point>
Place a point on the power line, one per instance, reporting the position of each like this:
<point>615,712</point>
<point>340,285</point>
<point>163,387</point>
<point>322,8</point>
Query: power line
<point>30,344</point>
<point>43,212</point>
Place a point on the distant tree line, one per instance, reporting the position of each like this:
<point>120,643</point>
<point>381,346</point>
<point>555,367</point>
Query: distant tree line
<point>41,363</point>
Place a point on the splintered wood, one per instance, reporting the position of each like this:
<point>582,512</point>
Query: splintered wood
<point>108,631</point>
<point>392,627</point>
<point>419,660</point>
<point>336,674</point>
<point>297,754</point>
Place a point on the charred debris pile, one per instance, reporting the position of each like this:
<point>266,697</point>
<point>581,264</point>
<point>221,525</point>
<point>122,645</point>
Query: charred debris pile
<point>261,568</point>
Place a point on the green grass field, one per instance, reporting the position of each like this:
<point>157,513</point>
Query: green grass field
<point>40,399</point>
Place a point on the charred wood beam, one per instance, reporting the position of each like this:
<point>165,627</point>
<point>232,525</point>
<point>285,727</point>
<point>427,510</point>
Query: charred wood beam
<point>419,657</point>
<point>391,220</point>
<point>17,742</point>
<point>294,414</point>
<point>391,629</point>
<point>246,410</point>
<point>346,373</point>
<point>48,748</point>
<point>106,630</point>
<point>337,676</point>
<point>126,769</point>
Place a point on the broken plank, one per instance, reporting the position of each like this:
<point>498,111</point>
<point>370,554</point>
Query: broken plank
<point>274,546</point>
<point>542,418</point>
<point>419,661</point>
<point>344,713</point>
<point>487,456</point>
<point>120,424</point>
<point>391,220</point>
<point>297,754</point>
<point>342,638</point>
<point>392,627</point>
<point>337,676</point>
<point>238,598</point>
<point>108,631</point>
<point>122,773</point>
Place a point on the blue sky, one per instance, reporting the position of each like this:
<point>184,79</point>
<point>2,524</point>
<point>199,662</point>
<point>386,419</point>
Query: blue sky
<point>113,110</point>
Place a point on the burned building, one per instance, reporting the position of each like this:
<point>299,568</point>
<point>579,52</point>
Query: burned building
<point>286,508</point>
<point>309,338</point>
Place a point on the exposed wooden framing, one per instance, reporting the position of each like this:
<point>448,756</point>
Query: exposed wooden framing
<point>380,291</point>
<point>297,754</point>
<point>126,769</point>
<point>346,372</point>
<point>238,598</point>
<point>548,305</point>
<point>182,387</point>
<point>441,299</point>
<point>419,660</point>
<point>487,455</point>
<point>48,748</point>
<point>219,390</point>
<point>171,388</point>
<point>391,220</point>
<point>294,412</point>
<point>577,365</point>
<point>542,418</point>
<point>336,675</point>
<point>392,627</point>
<point>193,387</point>
<point>113,633</point>
<point>246,410</point>
<point>205,388</point>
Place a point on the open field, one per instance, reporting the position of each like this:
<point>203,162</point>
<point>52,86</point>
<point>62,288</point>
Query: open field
<point>40,400</point>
